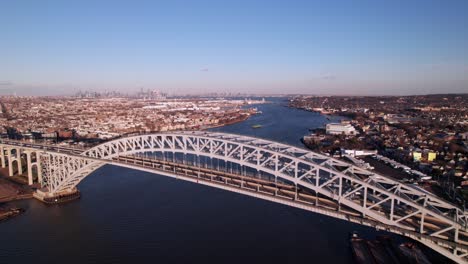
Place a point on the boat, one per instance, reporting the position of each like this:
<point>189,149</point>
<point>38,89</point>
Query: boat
<point>257,126</point>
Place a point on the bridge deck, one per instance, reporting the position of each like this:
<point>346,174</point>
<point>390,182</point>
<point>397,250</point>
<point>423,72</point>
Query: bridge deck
<point>284,194</point>
<point>286,175</point>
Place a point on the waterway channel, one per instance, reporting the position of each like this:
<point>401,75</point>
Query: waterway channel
<point>127,216</point>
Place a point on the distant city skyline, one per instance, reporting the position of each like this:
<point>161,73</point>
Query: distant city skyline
<point>256,47</point>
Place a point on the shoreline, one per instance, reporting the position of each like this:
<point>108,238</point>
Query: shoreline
<point>11,189</point>
<point>228,123</point>
<point>15,189</point>
<point>335,114</point>
<point>201,128</point>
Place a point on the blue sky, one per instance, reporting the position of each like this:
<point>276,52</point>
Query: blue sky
<point>314,47</point>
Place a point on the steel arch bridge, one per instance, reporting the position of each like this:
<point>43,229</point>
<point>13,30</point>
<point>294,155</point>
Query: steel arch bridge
<point>271,171</point>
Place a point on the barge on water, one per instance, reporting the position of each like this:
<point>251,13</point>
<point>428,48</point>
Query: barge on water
<point>7,213</point>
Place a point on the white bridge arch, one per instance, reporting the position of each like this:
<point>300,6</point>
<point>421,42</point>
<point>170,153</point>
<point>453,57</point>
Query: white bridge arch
<point>362,196</point>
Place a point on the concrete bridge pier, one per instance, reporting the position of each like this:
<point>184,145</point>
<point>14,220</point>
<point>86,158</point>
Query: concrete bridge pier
<point>3,157</point>
<point>32,159</point>
<point>39,171</point>
<point>12,158</point>
<point>8,157</point>
<point>11,172</point>
<point>29,163</point>
<point>57,198</point>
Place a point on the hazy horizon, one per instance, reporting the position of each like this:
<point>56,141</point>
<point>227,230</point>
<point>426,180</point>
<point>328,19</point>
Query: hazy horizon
<point>255,47</point>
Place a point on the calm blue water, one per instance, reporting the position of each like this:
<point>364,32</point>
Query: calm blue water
<point>280,123</point>
<point>127,216</point>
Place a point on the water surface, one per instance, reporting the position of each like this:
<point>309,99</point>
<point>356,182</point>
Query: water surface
<point>127,216</point>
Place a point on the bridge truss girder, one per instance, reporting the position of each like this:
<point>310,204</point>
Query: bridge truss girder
<point>376,198</point>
